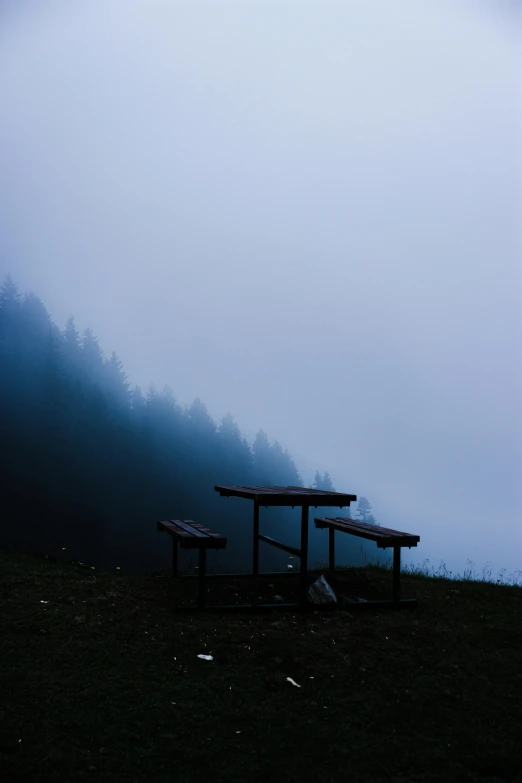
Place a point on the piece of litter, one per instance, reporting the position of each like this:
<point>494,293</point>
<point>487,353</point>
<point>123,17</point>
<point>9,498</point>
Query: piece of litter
<point>289,567</point>
<point>293,682</point>
<point>238,732</point>
<point>44,602</point>
<point>206,657</point>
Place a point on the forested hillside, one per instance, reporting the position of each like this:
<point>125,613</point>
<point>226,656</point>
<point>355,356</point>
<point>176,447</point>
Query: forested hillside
<point>90,463</point>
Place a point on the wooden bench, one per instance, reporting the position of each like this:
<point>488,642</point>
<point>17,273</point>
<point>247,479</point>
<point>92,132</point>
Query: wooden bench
<point>188,534</point>
<point>383,536</point>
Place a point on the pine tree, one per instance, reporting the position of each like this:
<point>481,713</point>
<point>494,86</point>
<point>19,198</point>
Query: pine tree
<point>10,298</point>
<point>291,476</point>
<point>117,384</point>
<point>327,483</point>
<point>235,460</point>
<point>71,336</point>
<point>92,352</point>
<point>10,314</point>
<point>228,430</point>
<point>137,401</point>
<point>57,391</point>
<point>364,509</point>
<point>262,462</point>
<point>200,420</point>
<point>36,319</point>
<point>318,481</point>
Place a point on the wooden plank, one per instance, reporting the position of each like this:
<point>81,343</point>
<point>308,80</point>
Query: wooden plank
<point>285,547</point>
<point>208,532</point>
<point>188,526</point>
<point>377,528</point>
<point>382,540</point>
<point>299,499</point>
<point>384,537</point>
<point>349,526</point>
<point>358,524</point>
<point>288,496</point>
<point>239,492</point>
<point>190,537</point>
<point>168,527</point>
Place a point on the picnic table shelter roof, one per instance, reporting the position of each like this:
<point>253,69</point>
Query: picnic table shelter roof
<point>288,496</point>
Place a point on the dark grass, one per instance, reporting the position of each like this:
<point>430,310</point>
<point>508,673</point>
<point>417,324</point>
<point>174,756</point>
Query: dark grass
<point>103,682</point>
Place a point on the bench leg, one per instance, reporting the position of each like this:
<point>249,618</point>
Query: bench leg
<point>174,556</point>
<point>396,573</point>
<point>201,575</point>
<point>331,549</point>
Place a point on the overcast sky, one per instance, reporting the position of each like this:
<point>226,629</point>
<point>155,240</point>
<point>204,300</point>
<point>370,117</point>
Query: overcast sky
<point>305,213</point>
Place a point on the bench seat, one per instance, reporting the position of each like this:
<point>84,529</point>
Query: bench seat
<point>188,534</point>
<point>384,537</point>
<point>192,535</point>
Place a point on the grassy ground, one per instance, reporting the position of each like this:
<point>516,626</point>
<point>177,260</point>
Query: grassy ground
<point>101,680</point>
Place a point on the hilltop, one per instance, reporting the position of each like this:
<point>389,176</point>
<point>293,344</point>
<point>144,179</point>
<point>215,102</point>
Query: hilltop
<point>101,680</point>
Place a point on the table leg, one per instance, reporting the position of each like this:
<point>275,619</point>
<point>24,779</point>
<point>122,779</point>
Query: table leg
<point>331,549</point>
<point>255,568</point>
<point>396,573</point>
<point>303,576</point>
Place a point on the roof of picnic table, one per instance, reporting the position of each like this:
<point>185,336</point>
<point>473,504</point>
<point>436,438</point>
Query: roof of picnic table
<point>288,496</point>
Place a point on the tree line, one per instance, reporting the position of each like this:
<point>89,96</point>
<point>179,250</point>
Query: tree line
<point>90,463</point>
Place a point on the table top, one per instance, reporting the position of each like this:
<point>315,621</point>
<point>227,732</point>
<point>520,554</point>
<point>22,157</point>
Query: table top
<point>288,496</point>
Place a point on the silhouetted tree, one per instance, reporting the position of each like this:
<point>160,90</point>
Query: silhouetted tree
<point>137,402</point>
<point>10,300</point>
<point>327,483</point>
<point>97,463</point>
<point>71,336</point>
<point>235,461</point>
<point>283,467</point>
<point>323,482</point>
<point>117,387</point>
<point>364,509</point>
<point>262,464</point>
<point>91,354</point>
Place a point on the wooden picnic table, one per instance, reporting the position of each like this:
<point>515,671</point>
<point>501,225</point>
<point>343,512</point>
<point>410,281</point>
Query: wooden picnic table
<point>287,496</point>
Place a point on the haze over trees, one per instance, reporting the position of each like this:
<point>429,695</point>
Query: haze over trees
<point>364,511</point>
<point>90,463</point>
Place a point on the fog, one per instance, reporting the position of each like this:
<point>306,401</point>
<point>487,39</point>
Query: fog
<point>304,213</point>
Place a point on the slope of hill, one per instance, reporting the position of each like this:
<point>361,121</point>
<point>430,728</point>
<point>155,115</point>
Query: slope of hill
<point>101,680</point>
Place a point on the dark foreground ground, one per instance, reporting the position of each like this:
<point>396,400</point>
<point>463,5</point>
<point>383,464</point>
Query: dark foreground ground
<point>101,680</point>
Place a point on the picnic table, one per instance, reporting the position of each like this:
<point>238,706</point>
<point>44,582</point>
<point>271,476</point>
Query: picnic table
<point>293,497</point>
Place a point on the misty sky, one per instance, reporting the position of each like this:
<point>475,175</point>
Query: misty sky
<point>305,213</point>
